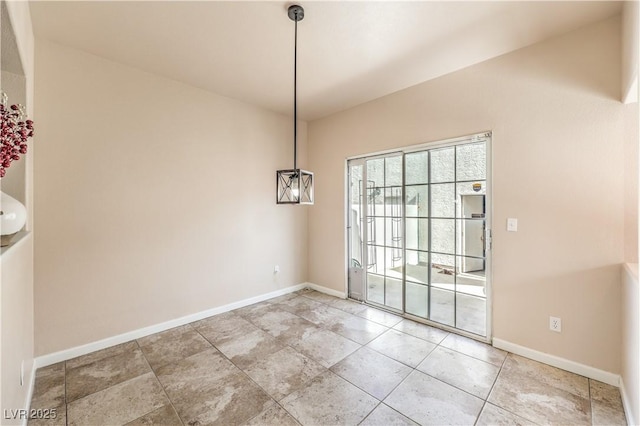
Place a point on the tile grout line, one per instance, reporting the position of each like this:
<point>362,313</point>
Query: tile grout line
<point>413,369</point>
<point>495,380</point>
<point>437,345</point>
<point>288,345</point>
<point>426,356</point>
<point>284,347</point>
<point>154,376</point>
<point>66,407</point>
<point>164,390</point>
<point>590,400</point>
<point>232,363</point>
<point>471,356</point>
<point>324,327</point>
<point>501,407</point>
<point>98,360</point>
<point>401,362</point>
<point>326,369</point>
<point>275,400</point>
<point>212,346</point>
<point>251,379</point>
<point>449,384</point>
<point>370,412</point>
<point>393,390</point>
<point>484,404</point>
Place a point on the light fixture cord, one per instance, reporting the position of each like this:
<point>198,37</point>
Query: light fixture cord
<point>295,95</point>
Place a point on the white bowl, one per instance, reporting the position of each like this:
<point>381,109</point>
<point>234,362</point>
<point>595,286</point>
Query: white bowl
<point>13,215</point>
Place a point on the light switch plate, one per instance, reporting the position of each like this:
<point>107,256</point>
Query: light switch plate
<point>512,224</point>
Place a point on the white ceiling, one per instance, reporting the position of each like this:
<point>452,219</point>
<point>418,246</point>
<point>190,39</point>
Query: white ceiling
<point>348,52</point>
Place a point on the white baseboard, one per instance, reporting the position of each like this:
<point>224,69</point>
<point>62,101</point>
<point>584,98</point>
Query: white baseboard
<point>626,403</point>
<point>562,363</point>
<point>49,359</point>
<point>326,290</point>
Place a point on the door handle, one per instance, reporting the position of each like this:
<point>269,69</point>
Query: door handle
<point>488,241</point>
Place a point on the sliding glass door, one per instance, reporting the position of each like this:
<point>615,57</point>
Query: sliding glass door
<point>418,233</point>
<point>377,227</point>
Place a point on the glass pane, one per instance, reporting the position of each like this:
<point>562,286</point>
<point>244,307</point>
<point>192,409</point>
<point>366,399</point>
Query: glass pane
<point>375,172</point>
<point>375,231</point>
<point>443,200</point>
<point>476,187</point>
<point>394,263</point>
<point>375,200</point>
<point>393,175</point>
<point>417,299</point>
<point>417,200</point>
<point>470,237</point>
<point>355,173</point>
<point>355,216</point>
<point>416,167</point>
<point>394,232</point>
<point>393,293</point>
<point>442,302</point>
<point>393,201</point>
<point>442,165</point>
<point>443,269</point>
<point>471,314</point>
<point>470,278</point>
<point>471,205</point>
<point>471,161</point>
<point>443,235</point>
<point>417,234</point>
<point>417,266</point>
<point>375,288</point>
<point>375,259</point>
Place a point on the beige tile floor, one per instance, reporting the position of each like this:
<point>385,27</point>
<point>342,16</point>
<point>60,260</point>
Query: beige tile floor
<point>312,359</point>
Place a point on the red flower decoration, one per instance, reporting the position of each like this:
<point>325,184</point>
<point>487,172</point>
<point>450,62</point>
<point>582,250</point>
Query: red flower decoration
<point>14,132</point>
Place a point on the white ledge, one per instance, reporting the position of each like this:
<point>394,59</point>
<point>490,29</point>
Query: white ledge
<point>17,239</point>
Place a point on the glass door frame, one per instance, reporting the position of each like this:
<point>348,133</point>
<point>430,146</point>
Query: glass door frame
<point>483,136</point>
<point>362,162</point>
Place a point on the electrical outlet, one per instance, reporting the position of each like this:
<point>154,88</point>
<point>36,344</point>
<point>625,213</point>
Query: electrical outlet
<point>555,324</point>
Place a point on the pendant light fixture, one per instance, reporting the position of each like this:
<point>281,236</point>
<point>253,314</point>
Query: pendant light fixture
<point>294,186</point>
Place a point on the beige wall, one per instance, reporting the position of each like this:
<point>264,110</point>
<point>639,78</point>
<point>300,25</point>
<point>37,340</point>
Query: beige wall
<point>154,200</point>
<point>558,155</point>
<point>16,266</point>
<point>630,48</point>
<point>631,189</point>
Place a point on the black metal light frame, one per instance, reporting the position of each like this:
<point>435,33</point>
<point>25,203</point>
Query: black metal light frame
<point>294,186</point>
